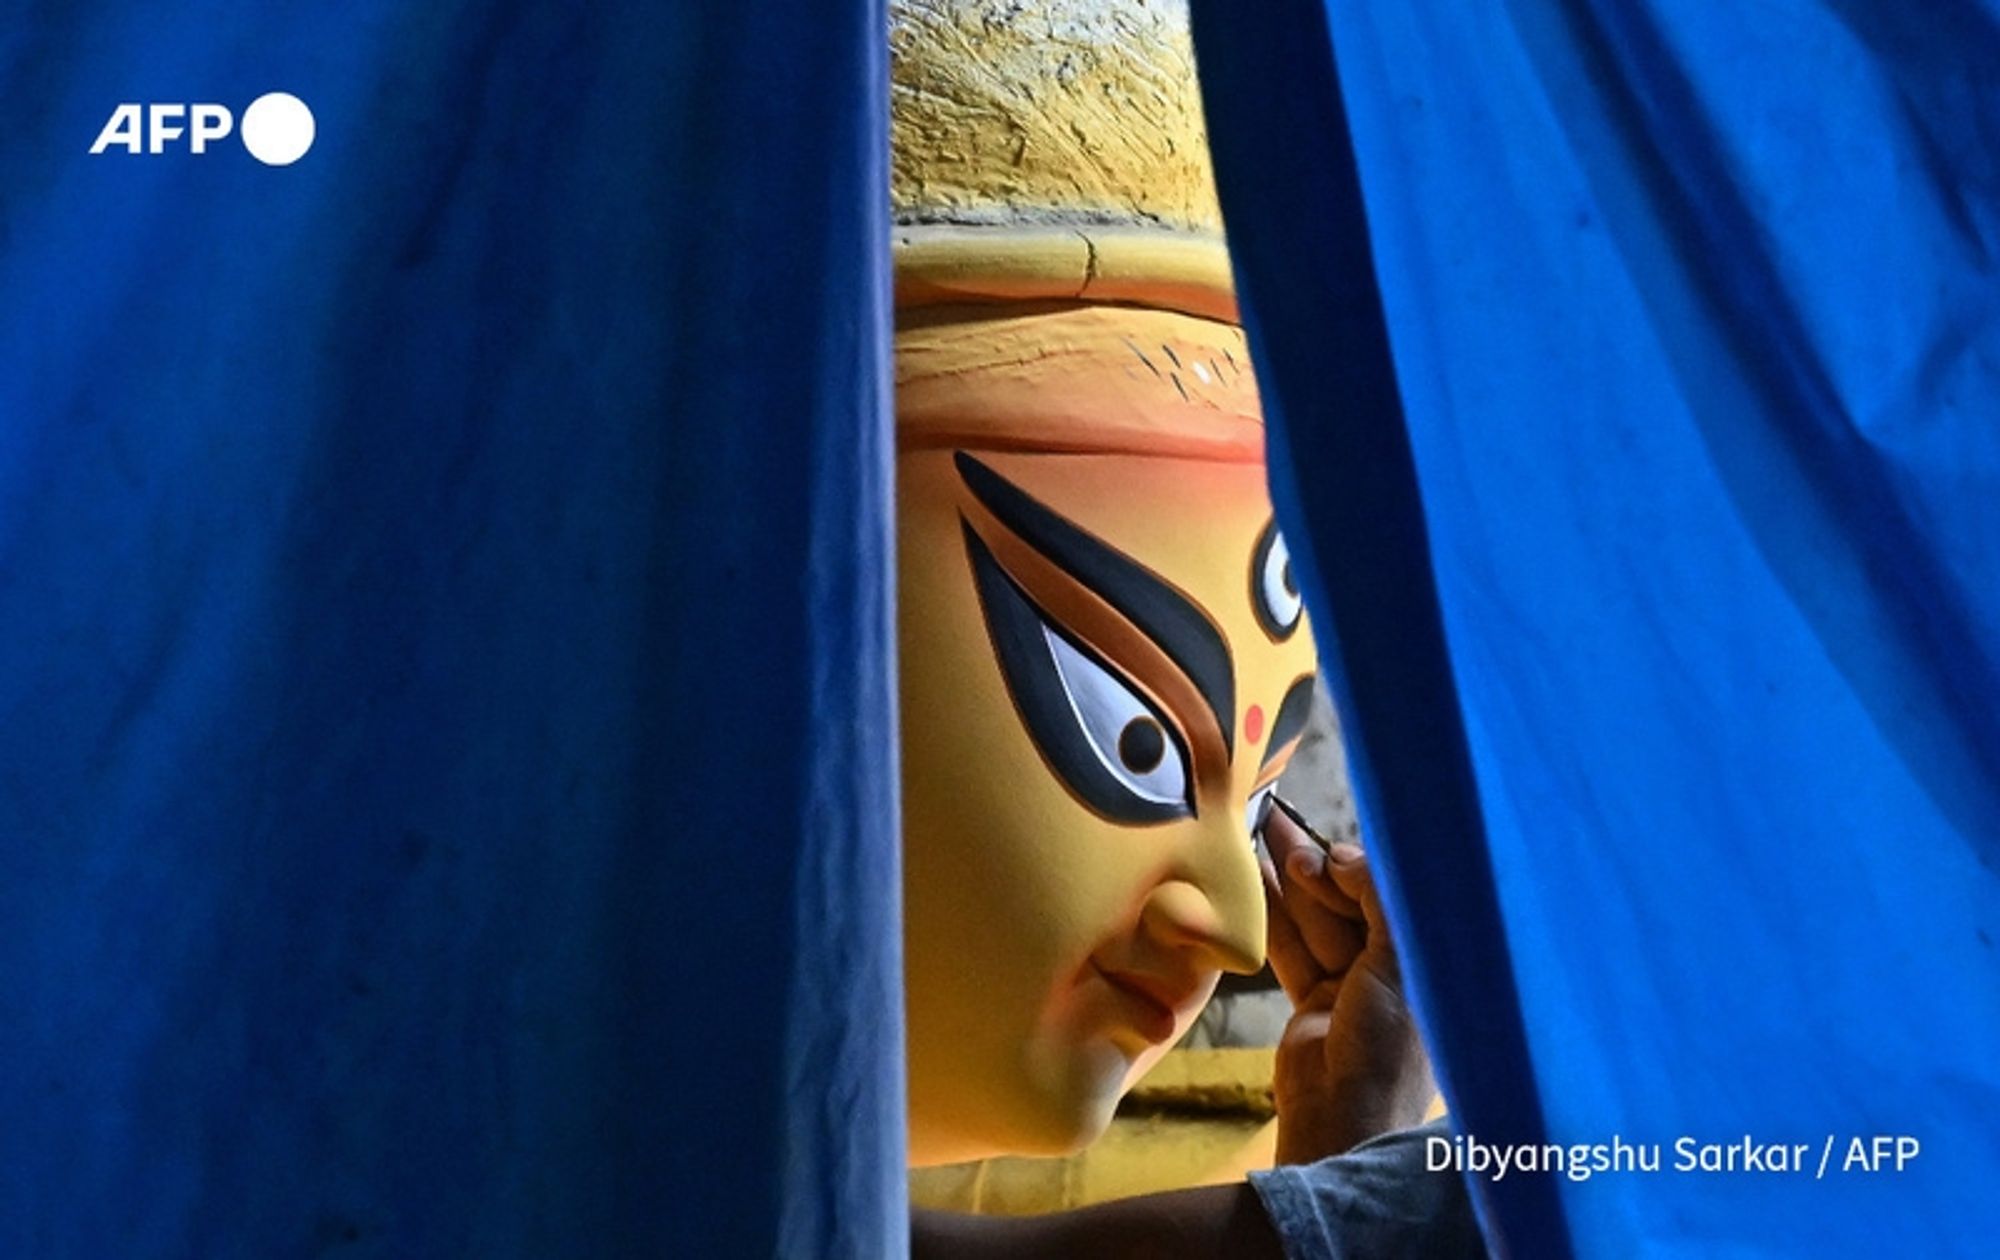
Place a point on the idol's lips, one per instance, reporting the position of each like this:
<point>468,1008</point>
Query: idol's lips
<point>1160,999</point>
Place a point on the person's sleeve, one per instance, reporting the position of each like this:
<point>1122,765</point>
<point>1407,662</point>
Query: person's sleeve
<point>1377,1200</point>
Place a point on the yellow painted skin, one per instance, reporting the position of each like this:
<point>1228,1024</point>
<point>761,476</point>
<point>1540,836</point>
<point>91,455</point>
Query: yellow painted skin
<point>1029,915</point>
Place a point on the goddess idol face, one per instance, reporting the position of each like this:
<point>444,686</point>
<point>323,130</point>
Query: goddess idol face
<point>1104,665</point>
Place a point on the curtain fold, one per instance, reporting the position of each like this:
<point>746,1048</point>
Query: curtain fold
<point>1630,369</point>
<point>447,749</point>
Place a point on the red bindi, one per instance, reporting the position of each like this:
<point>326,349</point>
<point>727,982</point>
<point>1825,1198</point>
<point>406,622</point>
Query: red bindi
<point>1253,724</point>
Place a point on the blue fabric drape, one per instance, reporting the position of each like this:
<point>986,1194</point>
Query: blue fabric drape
<point>447,789</point>
<point>1631,369</point>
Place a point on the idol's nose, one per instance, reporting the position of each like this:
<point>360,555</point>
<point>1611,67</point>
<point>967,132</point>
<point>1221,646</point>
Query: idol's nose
<point>1212,903</point>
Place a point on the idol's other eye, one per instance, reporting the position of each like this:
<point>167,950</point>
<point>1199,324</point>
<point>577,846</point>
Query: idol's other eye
<point>1113,750</point>
<point>1274,593</point>
<point>1253,813</point>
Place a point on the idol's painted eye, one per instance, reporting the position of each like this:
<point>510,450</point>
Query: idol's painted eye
<point>1274,592</point>
<point>1286,728</point>
<point>1115,751</point>
<point>1128,737</point>
<point>1253,813</point>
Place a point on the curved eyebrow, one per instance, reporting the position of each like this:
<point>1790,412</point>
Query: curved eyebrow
<point>1163,614</point>
<point>1291,720</point>
<point>1041,697</point>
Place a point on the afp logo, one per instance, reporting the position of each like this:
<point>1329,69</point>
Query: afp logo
<point>277,128</point>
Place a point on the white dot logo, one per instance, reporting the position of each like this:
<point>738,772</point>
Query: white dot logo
<point>277,128</point>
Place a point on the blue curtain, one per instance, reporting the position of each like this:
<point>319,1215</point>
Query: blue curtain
<point>1633,376</point>
<point>447,778</point>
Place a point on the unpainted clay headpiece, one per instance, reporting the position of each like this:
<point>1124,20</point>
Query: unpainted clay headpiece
<point>1052,149</point>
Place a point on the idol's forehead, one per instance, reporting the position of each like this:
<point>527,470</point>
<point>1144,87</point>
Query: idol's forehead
<point>1076,379</point>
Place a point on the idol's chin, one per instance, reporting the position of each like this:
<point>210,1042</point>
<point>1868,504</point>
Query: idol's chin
<point>1040,1127</point>
<point>1062,1099</point>
<point>1052,1131</point>
<point>1077,1089</point>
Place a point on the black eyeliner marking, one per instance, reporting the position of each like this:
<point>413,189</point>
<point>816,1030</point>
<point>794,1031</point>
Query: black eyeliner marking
<point>1181,630</point>
<point>1292,713</point>
<point>1142,357</point>
<point>1044,707</point>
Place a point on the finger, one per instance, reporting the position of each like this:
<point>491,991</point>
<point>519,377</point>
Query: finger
<point>1287,837</point>
<point>1334,939</point>
<point>1307,969</point>
<point>1291,961</point>
<point>1299,854</point>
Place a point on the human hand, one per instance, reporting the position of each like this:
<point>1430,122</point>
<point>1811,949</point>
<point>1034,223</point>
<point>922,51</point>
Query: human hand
<point>1350,1064</point>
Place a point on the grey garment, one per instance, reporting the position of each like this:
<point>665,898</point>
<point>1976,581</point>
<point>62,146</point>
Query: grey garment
<point>1374,1203</point>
